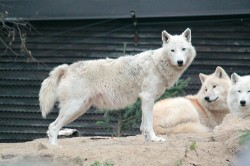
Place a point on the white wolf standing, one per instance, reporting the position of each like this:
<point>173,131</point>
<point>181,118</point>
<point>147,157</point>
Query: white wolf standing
<point>116,83</point>
<point>199,113</point>
<point>239,95</point>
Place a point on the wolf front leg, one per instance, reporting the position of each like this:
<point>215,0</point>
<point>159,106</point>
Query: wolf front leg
<point>142,124</point>
<point>147,102</point>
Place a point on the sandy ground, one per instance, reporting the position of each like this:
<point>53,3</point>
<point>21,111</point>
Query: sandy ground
<point>218,148</point>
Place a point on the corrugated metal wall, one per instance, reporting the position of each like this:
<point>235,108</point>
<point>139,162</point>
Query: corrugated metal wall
<point>218,42</point>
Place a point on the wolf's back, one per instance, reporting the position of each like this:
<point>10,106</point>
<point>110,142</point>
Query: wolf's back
<point>47,94</point>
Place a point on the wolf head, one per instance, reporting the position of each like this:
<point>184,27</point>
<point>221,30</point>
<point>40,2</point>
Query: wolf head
<point>239,94</point>
<point>178,48</point>
<point>214,89</point>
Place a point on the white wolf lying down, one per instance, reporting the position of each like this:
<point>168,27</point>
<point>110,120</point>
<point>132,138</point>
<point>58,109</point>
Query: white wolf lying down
<point>239,95</point>
<point>116,83</point>
<point>198,113</point>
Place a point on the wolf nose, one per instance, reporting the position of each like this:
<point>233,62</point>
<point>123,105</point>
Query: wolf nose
<point>180,62</point>
<point>207,99</point>
<point>242,102</point>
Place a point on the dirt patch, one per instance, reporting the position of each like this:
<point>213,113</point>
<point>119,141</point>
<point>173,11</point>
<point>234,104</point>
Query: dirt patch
<point>220,147</point>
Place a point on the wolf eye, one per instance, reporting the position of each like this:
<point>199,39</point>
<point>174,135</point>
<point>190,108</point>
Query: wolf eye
<point>183,49</point>
<point>248,91</point>
<point>172,50</point>
<point>214,86</point>
<point>239,91</point>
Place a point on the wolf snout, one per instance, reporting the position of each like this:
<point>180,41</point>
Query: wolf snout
<point>180,62</point>
<point>243,103</point>
<point>207,99</point>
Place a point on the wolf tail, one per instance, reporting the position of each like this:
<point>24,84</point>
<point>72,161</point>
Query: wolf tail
<point>189,127</point>
<point>47,94</point>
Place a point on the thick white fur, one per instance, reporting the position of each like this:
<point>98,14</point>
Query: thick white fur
<point>239,91</point>
<point>194,113</point>
<point>116,83</point>
<point>48,91</point>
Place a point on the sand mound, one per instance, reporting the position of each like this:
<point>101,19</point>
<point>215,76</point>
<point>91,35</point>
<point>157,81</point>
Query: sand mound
<point>220,147</point>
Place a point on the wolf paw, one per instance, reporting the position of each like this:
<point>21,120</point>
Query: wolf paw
<point>52,142</point>
<point>158,139</point>
<point>153,138</point>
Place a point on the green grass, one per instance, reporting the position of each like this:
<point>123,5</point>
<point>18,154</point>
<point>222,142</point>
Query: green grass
<point>79,162</point>
<point>97,163</point>
<point>245,137</point>
<point>189,148</point>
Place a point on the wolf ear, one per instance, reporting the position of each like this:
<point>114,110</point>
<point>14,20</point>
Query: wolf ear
<point>203,77</point>
<point>220,72</point>
<point>165,36</point>
<point>187,34</point>
<point>234,78</point>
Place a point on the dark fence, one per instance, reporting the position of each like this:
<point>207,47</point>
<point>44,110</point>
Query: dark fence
<point>219,42</point>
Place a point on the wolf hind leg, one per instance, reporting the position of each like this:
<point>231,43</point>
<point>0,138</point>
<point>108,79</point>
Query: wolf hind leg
<point>68,113</point>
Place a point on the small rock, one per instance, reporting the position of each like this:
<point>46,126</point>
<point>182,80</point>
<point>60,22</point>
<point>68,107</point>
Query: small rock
<point>7,156</point>
<point>42,146</point>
